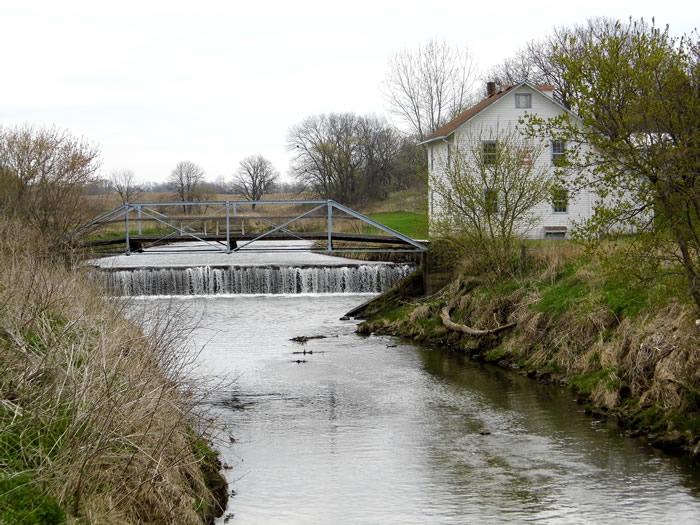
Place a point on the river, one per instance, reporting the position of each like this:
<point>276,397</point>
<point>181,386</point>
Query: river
<point>375,430</point>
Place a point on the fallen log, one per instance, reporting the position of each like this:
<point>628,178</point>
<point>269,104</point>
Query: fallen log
<point>458,327</point>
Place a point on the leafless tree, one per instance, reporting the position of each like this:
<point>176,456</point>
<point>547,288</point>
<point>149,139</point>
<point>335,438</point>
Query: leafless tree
<point>428,86</point>
<point>123,182</point>
<point>345,156</point>
<point>187,178</point>
<point>538,62</point>
<point>43,176</point>
<point>255,176</point>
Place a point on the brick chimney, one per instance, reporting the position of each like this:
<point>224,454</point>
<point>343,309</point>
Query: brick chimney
<point>546,89</point>
<point>490,89</point>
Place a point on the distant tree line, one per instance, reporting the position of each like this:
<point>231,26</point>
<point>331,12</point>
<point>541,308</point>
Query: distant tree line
<point>354,158</point>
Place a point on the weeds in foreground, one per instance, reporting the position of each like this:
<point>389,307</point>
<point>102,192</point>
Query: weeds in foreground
<point>96,414</point>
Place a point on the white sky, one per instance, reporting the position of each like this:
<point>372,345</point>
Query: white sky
<point>155,82</point>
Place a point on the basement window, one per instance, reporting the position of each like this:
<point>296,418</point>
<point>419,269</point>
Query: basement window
<point>523,100</point>
<point>555,232</point>
<point>555,235</point>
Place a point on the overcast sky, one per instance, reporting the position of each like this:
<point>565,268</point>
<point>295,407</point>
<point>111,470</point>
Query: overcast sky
<point>155,82</point>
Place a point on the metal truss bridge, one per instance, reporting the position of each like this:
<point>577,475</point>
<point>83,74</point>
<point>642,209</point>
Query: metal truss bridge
<point>235,226</point>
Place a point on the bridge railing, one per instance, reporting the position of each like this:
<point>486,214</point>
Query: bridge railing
<point>233,239</point>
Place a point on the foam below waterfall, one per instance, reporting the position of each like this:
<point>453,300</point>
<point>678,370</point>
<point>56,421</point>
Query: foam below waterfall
<point>211,280</point>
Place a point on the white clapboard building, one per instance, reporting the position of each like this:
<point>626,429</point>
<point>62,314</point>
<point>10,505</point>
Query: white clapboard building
<point>498,112</point>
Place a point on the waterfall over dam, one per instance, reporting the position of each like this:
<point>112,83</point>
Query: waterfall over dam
<point>269,279</point>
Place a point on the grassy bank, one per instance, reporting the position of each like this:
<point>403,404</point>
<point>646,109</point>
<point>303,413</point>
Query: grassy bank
<point>405,211</point>
<point>96,417</point>
<point>413,224</point>
<point>627,348</point>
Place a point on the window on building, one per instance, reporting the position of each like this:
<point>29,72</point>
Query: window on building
<point>523,100</point>
<point>558,152</point>
<point>560,199</point>
<point>449,155</point>
<point>489,151</point>
<point>555,235</point>
<point>555,232</point>
<point>491,201</point>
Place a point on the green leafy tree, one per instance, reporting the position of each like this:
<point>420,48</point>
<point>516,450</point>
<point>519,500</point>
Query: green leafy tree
<point>637,91</point>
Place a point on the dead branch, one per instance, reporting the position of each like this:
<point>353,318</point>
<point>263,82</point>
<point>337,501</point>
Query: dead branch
<point>458,327</point>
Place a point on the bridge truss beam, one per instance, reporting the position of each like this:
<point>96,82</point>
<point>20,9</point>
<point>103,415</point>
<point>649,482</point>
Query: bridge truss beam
<point>327,210</point>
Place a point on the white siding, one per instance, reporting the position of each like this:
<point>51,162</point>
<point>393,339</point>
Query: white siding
<point>503,115</point>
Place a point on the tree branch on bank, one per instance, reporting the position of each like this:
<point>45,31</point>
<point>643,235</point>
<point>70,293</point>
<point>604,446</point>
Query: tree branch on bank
<point>464,329</point>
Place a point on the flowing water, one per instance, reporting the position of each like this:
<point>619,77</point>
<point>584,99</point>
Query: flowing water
<point>351,429</point>
<point>283,268</point>
<point>282,279</point>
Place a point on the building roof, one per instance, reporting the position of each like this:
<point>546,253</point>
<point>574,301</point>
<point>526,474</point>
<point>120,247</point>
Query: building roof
<point>449,128</point>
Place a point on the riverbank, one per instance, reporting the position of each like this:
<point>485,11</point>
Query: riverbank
<point>97,418</point>
<point>628,349</point>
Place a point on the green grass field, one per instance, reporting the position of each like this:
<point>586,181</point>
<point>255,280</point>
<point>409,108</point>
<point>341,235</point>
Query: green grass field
<point>409,223</point>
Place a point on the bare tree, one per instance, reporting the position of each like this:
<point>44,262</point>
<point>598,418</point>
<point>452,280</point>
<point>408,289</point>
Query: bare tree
<point>187,178</point>
<point>345,156</point>
<point>43,176</point>
<point>488,191</point>
<point>255,176</point>
<point>428,86</point>
<point>123,182</point>
<point>538,61</point>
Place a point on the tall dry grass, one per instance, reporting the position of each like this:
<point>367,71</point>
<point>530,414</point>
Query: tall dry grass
<point>95,414</point>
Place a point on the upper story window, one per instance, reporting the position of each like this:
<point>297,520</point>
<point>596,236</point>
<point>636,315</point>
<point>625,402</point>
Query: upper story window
<point>560,199</point>
<point>523,100</point>
<point>558,152</point>
<point>489,151</point>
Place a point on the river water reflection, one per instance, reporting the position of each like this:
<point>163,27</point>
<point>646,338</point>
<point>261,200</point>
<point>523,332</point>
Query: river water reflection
<point>367,432</point>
